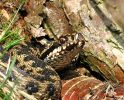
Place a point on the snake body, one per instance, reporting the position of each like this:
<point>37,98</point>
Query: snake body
<point>37,77</point>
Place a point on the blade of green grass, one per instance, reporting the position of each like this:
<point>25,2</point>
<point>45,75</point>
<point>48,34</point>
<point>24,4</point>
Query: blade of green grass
<point>10,38</point>
<point>8,96</point>
<point>8,72</point>
<point>4,34</point>
<point>12,43</point>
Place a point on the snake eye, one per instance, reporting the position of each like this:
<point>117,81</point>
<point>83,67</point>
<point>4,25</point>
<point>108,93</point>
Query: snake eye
<point>63,39</point>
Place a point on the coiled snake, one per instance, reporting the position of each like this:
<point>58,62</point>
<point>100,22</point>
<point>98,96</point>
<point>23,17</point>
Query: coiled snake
<point>38,77</point>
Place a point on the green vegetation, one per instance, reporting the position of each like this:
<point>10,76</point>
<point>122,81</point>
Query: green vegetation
<point>9,37</point>
<point>3,84</point>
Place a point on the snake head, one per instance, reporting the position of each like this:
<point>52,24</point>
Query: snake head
<point>76,38</point>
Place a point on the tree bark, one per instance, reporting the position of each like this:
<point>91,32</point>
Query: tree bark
<point>104,40</point>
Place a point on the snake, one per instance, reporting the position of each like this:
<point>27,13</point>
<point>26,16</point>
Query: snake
<point>38,77</point>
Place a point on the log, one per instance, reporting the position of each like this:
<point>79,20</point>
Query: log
<point>104,40</point>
